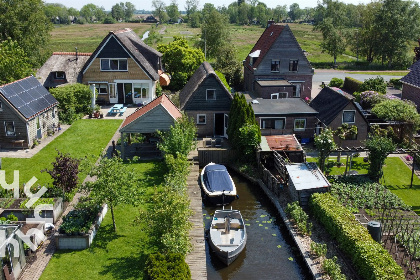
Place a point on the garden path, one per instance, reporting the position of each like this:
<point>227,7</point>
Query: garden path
<point>34,269</point>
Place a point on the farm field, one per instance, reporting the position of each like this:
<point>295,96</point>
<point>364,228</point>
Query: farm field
<point>87,37</point>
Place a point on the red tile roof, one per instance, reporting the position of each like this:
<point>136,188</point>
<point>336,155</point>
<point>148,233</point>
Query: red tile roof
<point>72,53</point>
<point>161,100</point>
<point>265,42</point>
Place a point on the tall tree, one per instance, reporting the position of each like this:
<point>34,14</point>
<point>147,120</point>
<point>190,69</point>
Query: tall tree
<point>214,33</point>
<point>280,12</point>
<point>159,9</point>
<point>117,11</point>
<point>92,13</point>
<point>25,23</point>
<point>180,60</point>
<point>129,11</point>
<point>14,63</point>
<point>57,13</point>
<point>379,147</point>
<point>191,6</point>
<point>295,12</point>
<point>172,11</point>
<point>228,64</point>
<point>115,184</point>
<point>397,25</point>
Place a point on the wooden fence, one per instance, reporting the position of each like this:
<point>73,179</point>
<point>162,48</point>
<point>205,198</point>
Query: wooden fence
<point>216,155</point>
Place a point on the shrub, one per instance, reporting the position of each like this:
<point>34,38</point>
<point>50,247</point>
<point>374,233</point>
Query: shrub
<point>169,266</point>
<point>351,85</point>
<point>369,258</point>
<point>319,249</point>
<point>80,219</point>
<point>12,217</point>
<point>396,83</point>
<point>336,82</point>
<point>376,84</point>
<point>332,269</point>
<point>368,99</point>
<point>301,218</point>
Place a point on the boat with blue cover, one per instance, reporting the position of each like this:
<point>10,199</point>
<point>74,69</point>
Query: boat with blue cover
<point>217,185</point>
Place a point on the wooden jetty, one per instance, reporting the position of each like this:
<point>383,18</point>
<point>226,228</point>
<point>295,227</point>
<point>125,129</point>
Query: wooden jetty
<point>197,258</point>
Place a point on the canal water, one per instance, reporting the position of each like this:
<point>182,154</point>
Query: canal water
<point>269,252</point>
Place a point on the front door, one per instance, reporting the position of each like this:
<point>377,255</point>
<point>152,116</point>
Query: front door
<point>219,124</point>
<point>120,93</point>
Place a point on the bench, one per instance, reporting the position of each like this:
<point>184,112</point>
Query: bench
<point>122,110</point>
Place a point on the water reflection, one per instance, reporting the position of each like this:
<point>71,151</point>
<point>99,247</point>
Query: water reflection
<point>267,254</point>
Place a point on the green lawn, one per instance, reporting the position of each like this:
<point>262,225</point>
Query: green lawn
<point>397,178</point>
<point>85,138</point>
<point>112,255</point>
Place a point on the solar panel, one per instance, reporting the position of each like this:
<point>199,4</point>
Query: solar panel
<point>28,96</point>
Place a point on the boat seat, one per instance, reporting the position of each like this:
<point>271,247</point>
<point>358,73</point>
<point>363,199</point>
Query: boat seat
<point>235,225</point>
<point>216,237</point>
<point>218,226</point>
<point>237,238</point>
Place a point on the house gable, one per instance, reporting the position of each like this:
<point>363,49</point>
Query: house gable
<point>196,95</point>
<point>157,118</point>
<point>113,49</point>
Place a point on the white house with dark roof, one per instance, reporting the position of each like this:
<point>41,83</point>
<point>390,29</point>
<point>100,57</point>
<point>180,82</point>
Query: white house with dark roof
<point>27,112</point>
<point>124,69</point>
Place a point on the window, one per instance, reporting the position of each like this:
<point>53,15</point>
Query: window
<point>349,116</point>
<point>10,128</point>
<point>211,94</point>
<point>272,123</point>
<point>275,65</point>
<point>101,88</point>
<point>293,65</point>
<point>275,96</point>
<point>300,124</point>
<point>59,75</point>
<point>114,64</point>
<point>141,90</point>
<point>201,119</point>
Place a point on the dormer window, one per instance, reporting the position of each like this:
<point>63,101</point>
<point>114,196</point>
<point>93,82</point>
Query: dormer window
<point>211,94</point>
<point>293,65</point>
<point>113,64</point>
<point>253,57</point>
<point>59,75</point>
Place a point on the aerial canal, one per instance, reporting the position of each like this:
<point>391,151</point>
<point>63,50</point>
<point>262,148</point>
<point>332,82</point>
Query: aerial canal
<point>269,252</point>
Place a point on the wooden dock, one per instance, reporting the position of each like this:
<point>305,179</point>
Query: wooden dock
<point>197,258</point>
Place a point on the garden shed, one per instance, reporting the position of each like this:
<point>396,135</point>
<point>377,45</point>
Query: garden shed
<point>304,180</point>
<point>13,256</point>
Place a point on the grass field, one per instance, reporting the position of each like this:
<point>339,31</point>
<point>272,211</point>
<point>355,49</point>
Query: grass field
<point>85,138</point>
<point>120,255</point>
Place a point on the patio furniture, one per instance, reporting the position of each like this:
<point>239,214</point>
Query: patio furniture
<point>116,109</point>
<point>218,142</point>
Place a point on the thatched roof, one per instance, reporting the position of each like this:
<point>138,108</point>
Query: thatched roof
<point>67,62</point>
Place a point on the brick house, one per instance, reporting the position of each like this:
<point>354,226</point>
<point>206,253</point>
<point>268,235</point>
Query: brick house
<point>277,67</point>
<point>411,85</point>
<point>124,69</point>
<point>337,107</point>
<point>27,112</point>
<point>207,100</point>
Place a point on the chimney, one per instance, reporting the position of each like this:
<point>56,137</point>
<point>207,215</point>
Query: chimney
<point>270,22</point>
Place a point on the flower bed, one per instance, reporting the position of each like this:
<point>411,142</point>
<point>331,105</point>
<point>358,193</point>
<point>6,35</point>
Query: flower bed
<point>80,226</point>
<point>18,208</point>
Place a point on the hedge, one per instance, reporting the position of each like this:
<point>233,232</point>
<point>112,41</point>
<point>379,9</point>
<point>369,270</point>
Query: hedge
<point>370,259</point>
<point>168,266</point>
<point>351,85</point>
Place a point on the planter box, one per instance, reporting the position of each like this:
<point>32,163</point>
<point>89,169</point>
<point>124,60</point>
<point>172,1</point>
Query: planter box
<point>23,214</point>
<point>83,241</point>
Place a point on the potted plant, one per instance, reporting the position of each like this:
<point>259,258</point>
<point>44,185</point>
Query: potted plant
<point>97,111</point>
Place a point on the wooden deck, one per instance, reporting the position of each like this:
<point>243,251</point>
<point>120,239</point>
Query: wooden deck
<point>197,258</point>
